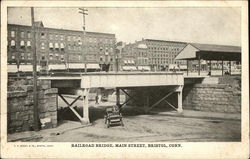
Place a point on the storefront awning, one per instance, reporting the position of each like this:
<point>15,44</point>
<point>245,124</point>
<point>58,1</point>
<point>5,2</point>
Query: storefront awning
<point>12,68</point>
<point>28,68</point>
<point>129,68</point>
<point>93,66</point>
<point>76,66</point>
<point>57,67</point>
<point>183,67</point>
<point>147,68</point>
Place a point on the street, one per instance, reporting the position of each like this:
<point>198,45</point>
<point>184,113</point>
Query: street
<point>159,126</point>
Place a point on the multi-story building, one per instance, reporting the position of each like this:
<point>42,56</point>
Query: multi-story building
<point>158,54</point>
<point>60,47</point>
<point>162,53</point>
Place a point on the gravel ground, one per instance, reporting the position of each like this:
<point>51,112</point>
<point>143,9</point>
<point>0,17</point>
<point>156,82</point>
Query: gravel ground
<point>155,127</point>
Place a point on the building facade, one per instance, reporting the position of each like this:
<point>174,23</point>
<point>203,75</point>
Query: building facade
<point>162,53</point>
<point>59,46</point>
<point>157,54</point>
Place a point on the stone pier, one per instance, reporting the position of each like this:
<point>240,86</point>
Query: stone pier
<point>20,104</point>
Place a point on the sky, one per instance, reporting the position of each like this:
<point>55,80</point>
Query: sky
<point>197,25</point>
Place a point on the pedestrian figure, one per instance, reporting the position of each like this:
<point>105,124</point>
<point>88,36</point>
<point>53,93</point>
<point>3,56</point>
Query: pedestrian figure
<point>96,99</point>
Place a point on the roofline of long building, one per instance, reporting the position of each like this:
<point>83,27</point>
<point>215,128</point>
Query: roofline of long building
<point>65,29</point>
<point>166,41</point>
<point>214,45</point>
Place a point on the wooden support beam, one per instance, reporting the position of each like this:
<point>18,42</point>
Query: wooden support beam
<point>69,105</point>
<point>128,94</point>
<point>171,105</point>
<point>117,97</point>
<point>187,67</point>
<point>85,97</point>
<point>124,103</point>
<point>210,69</point>
<point>199,62</point>
<point>222,69</point>
<point>180,99</point>
<point>230,71</point>
<point>159,101</point>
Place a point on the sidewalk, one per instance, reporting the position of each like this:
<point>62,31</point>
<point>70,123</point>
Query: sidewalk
<point>202,115</point>
<point>36,136</point>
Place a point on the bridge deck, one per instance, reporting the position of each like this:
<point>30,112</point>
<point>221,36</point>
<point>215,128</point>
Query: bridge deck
<point>120,79</point>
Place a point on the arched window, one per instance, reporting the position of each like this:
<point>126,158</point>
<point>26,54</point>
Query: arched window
<point>56,46</point>
<point>12,43</point>
<point>28,44</point>
<point>22,34</point>
<point>62,46</point>
<point>12,34</point>
<point>28,34</point>
<point>42,46</point>
<point>22,43</point>
<point>51,45</point>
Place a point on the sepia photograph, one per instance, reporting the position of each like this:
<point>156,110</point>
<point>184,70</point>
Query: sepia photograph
<point>124,76</point>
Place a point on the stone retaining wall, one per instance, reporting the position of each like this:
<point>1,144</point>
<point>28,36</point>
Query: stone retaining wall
<point>20,104</point>
<point>223,97</point>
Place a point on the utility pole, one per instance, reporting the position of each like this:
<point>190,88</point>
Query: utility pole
<point>83,12</point>
<point>35,114</point>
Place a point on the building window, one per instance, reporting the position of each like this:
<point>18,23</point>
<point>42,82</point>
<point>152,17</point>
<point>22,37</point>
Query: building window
<point>22,56</point>
<point>22,34</point>
<point>51,46</point>
<point>29,56</point>
<point>42,35</point>
<point>56,36</point>
<point>12,43</point>
<point>42,46</point>
<point>79,57</point>
<point>61,37</point>
<point>51,56</point>
<point>43,57</point>
<point>22,44</point>
<point>68,38</point>
<point>111,49</point>
<point>12,34</point>
<point>13,57</point>
<point>62,58</point>
<point>28,44</point>
<point>62,46</point>
<point>101,58</point>
<point>28,34</point>
<point>50,36</point>
<point>57,46</point>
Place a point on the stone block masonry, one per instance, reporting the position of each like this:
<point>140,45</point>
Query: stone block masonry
<point>20,104</point>
<point>225,96</point>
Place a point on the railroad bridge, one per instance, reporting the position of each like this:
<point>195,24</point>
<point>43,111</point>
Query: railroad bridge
<point>80,84</point>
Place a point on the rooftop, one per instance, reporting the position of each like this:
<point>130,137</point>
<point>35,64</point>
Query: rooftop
<point>217,48</point>
<point>165,41</point>
<point>57,29</point>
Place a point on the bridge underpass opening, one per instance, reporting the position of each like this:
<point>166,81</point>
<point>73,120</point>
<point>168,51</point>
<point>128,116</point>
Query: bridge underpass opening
<point>82,84</point>
<point>139,100</point>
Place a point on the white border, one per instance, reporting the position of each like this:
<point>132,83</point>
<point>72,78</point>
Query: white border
<point>188,150</point>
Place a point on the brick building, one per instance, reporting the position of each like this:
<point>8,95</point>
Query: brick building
<point>60,47</point>
<point>158,54</point>
<point>162,53</point>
